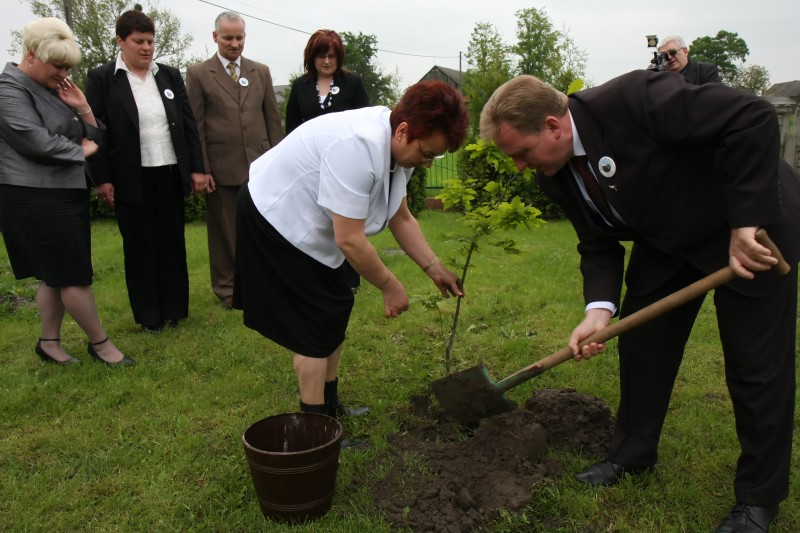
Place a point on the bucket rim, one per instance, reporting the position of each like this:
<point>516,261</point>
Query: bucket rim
<point>337,436</point>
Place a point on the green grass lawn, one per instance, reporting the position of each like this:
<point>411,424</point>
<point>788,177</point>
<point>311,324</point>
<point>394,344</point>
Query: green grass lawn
<point>157,447</point>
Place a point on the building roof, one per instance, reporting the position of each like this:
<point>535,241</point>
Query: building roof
<point>448,75</point>
<point>789,89</point>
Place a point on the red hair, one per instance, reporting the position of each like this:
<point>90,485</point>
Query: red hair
<point>429,107</point>
<point>319,43</point>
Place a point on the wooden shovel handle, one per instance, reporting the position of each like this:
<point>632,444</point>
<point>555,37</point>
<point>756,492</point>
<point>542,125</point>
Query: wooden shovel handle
<point>656,309</point>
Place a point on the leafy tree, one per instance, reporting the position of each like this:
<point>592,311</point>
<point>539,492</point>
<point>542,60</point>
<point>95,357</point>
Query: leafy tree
<point>573,63</point>
<point>537,45</point>
<point>753,79</point>
<point>727,50</point>
<point>359,57</point>
<point>545,52</point>
<point>489,66</point>
<point>93,22</point>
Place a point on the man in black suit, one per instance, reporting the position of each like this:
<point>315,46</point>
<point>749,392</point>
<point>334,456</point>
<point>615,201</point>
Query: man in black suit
<point>150,160</point>
<point>689,190</point>
<point>695,72</point>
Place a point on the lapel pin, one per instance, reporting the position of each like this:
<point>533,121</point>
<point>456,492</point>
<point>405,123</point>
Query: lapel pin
<point>334,89</point>
<point>243,82</point>
<point>607,167</point>
<point>169,94</point>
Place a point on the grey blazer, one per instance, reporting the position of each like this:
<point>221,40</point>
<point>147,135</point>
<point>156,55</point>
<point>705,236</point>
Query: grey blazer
<point>40,136</point>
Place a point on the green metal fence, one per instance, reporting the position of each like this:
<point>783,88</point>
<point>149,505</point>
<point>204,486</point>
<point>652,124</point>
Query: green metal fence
<point>442,169</point>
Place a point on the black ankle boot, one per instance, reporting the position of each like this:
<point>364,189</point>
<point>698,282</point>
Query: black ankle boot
<point>336,408</point>
<point>322,409</point>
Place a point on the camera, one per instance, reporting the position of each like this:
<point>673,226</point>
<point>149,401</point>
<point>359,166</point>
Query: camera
<point>660,62</point>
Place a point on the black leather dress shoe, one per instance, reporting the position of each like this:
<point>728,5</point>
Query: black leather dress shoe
<point>125,361</point>
<point>341,410</point>
<point>608,473</point>
<point>748,519</point>
<point>152,328</point>
<point>46,357</point>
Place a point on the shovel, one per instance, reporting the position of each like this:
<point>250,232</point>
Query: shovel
<point>471,394</point>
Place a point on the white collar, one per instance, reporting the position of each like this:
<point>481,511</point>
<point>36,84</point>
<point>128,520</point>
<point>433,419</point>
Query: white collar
<point>225,61</point>
<point>121,65</point>
<point>577,145</point>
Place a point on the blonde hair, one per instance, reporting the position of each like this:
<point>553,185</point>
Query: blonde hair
<point>51,40</point>
<point>524,103</point>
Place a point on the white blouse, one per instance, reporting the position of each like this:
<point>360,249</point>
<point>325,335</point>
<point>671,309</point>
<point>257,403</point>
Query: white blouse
<point>335,163</point>
<point>154,136</point>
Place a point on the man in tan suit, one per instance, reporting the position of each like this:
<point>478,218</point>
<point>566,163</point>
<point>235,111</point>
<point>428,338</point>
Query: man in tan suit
<point>238,120</point>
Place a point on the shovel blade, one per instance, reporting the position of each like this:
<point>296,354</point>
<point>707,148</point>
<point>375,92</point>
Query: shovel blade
<point>471,395</point>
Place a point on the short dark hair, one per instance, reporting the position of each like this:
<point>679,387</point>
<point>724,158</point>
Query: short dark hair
<point>132,21</point>
<point>319,43</point>
<point>429,107</point>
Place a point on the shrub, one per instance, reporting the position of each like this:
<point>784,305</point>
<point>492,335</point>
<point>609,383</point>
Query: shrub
<point>416,193</point>
<point>482,162</point>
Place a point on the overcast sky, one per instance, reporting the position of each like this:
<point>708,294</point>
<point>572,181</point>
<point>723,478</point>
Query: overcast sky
<point>414,35</point>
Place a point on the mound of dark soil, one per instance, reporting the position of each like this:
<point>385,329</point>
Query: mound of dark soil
<point>448,478</point>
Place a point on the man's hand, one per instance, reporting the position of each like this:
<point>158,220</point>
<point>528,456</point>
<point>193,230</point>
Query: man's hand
<point>595,320</point>
<point>747,255</point>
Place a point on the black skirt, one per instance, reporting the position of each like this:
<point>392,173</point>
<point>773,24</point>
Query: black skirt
<point>47,234</point>
<point>286,295</point>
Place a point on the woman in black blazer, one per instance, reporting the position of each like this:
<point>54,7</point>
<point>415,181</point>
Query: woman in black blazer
<point>326,87</point>
<point>151,159</point>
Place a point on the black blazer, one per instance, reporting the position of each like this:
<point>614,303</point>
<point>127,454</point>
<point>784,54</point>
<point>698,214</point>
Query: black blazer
<point>681,180</point>
<point>119,160</point>
<point>303,103</point>
<point>699,73</point>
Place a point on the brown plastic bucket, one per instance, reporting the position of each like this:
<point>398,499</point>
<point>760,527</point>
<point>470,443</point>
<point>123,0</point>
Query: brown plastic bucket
<point>293,460</point>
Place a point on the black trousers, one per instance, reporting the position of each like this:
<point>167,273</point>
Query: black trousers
<point>758,342</point>
<point>155,251</point>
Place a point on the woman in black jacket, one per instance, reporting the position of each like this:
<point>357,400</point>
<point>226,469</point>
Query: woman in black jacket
<point>326,87</point>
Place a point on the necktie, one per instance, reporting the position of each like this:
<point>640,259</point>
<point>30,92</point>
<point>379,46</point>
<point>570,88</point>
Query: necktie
<point>232,69</point>
<point>581,163</point>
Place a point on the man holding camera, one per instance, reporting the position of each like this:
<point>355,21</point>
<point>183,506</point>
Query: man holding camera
<point>695,72</point>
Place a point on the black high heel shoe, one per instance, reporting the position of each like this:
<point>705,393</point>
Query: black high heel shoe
<point>126,361</point>
<point>46,357</point>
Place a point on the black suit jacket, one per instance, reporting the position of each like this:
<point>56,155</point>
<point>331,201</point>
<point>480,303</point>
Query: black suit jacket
<point>303,103</point>
<point>681,182</point>
<point>698,73</point>
<point>119,160</point>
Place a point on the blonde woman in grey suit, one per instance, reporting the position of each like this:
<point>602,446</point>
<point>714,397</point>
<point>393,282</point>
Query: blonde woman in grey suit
<point>47,130</point>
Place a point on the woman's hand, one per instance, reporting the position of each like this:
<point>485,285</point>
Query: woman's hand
<point>105,193</point>
<point>395,299</point>
<point>89,147</point>
<point>71,95</point>
<point>446,281</point>
<point>199,182</point>
<point>595,320</point>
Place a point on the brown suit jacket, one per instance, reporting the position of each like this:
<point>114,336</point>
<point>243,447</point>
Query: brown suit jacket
<point>237,122</point>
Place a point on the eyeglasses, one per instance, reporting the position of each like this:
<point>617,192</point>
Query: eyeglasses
<point>326,56</point>
<point>673,52</point>
<point>429,156</point>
